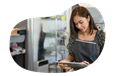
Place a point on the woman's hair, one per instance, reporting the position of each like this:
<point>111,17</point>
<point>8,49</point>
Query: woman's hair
<point>82,12</point>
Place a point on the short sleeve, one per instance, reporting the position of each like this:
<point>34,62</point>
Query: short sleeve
<point>70,46</point>
<point>101,40</point>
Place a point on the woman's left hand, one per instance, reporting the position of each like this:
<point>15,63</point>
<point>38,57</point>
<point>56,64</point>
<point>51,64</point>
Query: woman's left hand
<point>86,62</point>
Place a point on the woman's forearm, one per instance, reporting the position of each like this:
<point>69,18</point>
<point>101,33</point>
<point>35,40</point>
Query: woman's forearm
<point>69,59</point>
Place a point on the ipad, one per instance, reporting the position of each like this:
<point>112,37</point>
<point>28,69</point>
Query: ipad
<point>73,64</point>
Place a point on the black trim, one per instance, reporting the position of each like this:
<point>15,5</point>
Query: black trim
<point>43,63</point>
<point>21,32</point>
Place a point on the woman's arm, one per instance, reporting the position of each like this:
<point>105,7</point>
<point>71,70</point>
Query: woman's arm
<point>69,59</point>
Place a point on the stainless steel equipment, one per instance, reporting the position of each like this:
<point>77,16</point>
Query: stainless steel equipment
<point>33,33</point>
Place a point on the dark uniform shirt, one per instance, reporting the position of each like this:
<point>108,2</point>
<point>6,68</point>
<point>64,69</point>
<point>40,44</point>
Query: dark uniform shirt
<point>84,51</point>
<point>100,40</point>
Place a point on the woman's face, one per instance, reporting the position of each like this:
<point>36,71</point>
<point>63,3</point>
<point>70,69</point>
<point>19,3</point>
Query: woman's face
<point>81,23</point>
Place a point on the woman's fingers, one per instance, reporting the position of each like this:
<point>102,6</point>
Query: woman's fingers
<point>62,65</point>
<point>86,62</point>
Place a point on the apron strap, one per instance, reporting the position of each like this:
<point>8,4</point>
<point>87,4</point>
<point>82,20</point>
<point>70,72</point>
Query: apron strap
<point>77,35</point>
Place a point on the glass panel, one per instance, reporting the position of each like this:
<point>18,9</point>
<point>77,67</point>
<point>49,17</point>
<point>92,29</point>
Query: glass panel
<point>54,45</point>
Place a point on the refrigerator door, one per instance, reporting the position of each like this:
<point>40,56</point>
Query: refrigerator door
<point>33,33</point>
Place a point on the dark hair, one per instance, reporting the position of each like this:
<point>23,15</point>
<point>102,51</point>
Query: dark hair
<point>82,12</point>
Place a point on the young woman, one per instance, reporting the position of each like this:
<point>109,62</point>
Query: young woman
<point>86,41</point>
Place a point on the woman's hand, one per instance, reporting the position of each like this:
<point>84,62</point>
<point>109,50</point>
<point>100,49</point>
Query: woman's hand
<point>62,65</point>
<point>69,59</point>
<point>86,62</point>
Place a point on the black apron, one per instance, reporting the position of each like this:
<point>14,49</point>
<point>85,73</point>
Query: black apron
<point>41,49</point>
<point>85,50</point>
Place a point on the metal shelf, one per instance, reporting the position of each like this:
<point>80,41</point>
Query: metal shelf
<point>17,38</point>
<point>17,52</point>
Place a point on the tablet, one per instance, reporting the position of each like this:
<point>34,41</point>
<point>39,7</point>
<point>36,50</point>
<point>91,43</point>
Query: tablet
<point>73,64</point>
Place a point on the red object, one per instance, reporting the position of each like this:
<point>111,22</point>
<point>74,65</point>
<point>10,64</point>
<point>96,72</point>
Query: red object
<point>10,50</point>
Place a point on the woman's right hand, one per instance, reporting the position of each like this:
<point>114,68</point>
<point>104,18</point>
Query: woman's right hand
<point>62,65</point>
<point>69,59</point>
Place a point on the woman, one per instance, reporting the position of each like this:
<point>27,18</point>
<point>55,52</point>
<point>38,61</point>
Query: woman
<point>86,41</point>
